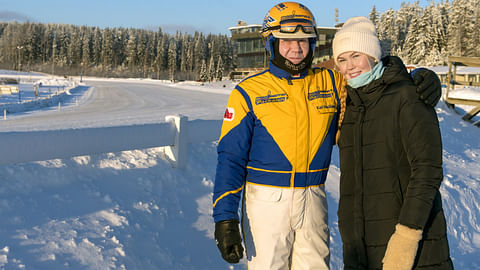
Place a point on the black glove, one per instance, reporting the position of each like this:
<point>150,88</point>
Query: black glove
<point>228,240</point>
<point>428,86</point>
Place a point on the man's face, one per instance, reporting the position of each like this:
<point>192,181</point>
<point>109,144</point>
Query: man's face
<point>295,50</point>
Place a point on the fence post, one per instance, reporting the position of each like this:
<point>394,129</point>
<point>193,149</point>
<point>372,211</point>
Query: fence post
<point>178,152</point>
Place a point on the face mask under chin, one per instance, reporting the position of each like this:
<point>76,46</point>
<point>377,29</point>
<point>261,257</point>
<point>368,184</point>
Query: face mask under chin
<point>290,67</point>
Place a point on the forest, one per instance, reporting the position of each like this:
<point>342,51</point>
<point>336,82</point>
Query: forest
<point>428,35</point>
<point>419,35</point>
<point>113,52</point>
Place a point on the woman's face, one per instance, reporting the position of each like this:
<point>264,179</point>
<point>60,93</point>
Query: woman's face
<point>352,64</point>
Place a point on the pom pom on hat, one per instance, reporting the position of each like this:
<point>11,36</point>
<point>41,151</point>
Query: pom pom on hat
<point>357,34</point>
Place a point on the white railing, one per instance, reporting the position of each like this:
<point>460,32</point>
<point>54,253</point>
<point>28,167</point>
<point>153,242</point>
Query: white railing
<point>175,134</point>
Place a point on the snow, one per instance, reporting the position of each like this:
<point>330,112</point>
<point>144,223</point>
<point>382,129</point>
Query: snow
<point>460,69</point>
<point>133,210</point>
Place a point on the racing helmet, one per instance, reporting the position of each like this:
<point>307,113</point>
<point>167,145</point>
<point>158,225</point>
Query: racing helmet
<point>289,20</point>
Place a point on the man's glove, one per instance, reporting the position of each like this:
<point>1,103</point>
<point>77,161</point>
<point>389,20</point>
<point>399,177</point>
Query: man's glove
<point>402,248</point>
<point>229,241</point>
<point>428,85</point>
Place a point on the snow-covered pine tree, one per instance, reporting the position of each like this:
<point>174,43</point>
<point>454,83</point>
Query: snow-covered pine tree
<point>62,43</point>
<point>199,52</point>
<point>402,24</point>
<point>219,69</point>
<point>86,51</point>
<point>227,53</point>
<point>107,49</point>
<point>161,59</point>
<point>203,71</point>
<point>149,54</point>
<point>97,46</point>
<point>131,52</point>
<point>385,31</point>
<point>183,53</point>
<point>419,39</point>
<point>373,16</point>
<point>409,51</point>
<point>74,50</point>
<point>119,45</point>
<point>211,69</point>
<point>47,43</point>
<point>439,21</point>
<point>470,36</point>
<point>172,59</point>
<point>54,52</point>
<point>189,61</point>
<point>142,54</point>
<point>10,45</point>
<point>456,29</point>
<point>32,43</point>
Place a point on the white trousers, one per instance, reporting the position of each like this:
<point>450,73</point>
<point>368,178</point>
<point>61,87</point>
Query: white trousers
<point>286,228</point>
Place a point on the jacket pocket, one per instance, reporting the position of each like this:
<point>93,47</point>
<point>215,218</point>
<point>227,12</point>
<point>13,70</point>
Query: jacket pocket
<point>323,101</point>
<point>263,193</point>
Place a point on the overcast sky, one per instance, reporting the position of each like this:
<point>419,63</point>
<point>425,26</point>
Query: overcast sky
<point>206,16</point>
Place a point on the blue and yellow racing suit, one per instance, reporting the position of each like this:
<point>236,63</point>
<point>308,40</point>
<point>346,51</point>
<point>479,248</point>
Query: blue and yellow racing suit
<point>275,146</point>
<point>277,131</point>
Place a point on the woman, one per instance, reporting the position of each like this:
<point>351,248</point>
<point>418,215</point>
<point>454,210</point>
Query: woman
<point>390,211</point>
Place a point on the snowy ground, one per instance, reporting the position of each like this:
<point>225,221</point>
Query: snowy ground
<point>132,210</point>
<point>50,91</point>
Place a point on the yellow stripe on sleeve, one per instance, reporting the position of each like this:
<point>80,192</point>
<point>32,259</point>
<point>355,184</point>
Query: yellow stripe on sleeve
<point>227,193</point>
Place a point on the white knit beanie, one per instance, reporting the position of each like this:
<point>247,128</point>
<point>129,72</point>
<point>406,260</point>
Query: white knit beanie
<point>357,34</point>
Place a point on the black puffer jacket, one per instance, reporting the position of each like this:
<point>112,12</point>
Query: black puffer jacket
<point>391,171</point>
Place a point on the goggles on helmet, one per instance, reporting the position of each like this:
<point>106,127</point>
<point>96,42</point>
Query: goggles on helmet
<point>294,25</point>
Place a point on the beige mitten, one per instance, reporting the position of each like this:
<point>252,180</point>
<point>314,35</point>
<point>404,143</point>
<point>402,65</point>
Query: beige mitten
<point>402,248</point>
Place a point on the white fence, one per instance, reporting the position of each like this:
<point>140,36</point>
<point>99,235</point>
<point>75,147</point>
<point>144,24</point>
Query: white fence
<point>175,133</point>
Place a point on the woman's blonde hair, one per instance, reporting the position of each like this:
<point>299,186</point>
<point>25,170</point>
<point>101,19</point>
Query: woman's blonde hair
<point>343,106</point>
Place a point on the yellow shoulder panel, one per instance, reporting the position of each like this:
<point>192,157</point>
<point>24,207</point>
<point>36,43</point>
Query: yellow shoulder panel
<point>234,113</point>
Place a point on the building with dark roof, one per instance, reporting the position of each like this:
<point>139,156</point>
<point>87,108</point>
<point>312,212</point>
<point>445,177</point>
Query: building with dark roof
<point>251,56</point>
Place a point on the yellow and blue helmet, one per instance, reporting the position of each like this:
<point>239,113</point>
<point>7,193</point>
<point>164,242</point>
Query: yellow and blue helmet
<point>289,20</point>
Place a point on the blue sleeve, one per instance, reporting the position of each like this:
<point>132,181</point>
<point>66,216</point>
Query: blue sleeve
<point>233,151</point>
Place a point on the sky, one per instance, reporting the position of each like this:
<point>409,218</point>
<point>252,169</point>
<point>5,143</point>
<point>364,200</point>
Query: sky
<point>207,16</point>
<point>134,210</point>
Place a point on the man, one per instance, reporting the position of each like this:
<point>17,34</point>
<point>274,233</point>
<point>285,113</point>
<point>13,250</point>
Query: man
<point>275,149</point>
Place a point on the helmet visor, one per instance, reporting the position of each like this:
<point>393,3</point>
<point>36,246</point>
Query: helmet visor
<point>293,28</point>
<point>293,25</point>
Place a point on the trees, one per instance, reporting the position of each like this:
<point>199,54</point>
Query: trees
<point>131,52</point>
<point>97,46</point>
<point>203,71</point>
<point>172,59</point>
<point>219,70</point>
<point>199,55</point>
<point>373,15</point>
<point>211,69</point>
<point>419,35</point>
<point>86,51</point>
<point>107,50</point>
<point>386,31</point>
<point>69,49</point>
<point>429,35</point>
